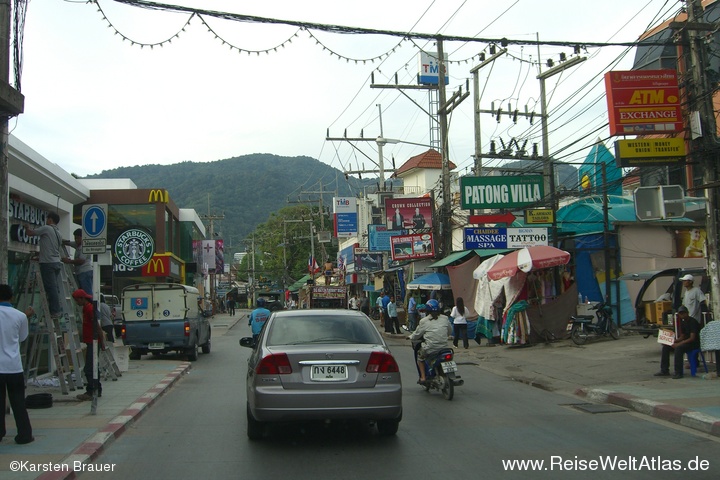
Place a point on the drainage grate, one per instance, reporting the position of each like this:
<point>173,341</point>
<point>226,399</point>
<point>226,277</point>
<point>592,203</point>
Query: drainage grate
<point>599,408</point>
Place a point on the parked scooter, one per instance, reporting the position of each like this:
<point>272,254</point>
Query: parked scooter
<point>582,327</point>
<point>440,372</point>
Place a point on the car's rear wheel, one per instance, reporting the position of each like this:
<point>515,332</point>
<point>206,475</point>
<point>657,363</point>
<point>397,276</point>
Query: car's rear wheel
<point>388,428</point>
<point>206,346</point>
<point>255,429</point>
<point>192,353</point>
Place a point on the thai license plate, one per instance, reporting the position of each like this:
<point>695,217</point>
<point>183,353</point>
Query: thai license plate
<point>569,327</point>
<point>156,346</point>
<point>328,373</point>
<point>449,367</point>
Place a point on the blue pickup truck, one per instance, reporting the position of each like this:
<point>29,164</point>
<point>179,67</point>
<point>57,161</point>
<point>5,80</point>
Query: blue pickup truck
<point>164,317</point>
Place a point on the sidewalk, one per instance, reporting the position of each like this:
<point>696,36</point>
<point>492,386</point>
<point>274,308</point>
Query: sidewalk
<point>618,372</point>
<point>68,437</point>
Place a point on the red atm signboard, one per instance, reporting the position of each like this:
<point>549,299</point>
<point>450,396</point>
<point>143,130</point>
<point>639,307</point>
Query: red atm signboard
<point>643,102</point>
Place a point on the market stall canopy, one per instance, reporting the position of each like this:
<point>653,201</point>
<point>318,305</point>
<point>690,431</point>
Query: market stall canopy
<point>528,259</point>
<point>431,281</point>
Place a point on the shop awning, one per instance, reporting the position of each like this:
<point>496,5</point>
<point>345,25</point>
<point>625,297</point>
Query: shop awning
<point>453,257</point>
<point>299,284</point>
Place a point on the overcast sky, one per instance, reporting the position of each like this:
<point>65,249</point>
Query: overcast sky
<point>95,102</point>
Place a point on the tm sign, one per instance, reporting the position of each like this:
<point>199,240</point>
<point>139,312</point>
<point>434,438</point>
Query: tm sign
<point>501,192</point>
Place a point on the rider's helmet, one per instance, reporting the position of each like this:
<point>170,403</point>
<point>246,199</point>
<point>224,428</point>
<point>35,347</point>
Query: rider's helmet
<point>432,305</point>
<point>260,302</point>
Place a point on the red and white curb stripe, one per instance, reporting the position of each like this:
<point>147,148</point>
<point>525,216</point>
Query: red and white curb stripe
<point>682,416</point>
<point>94,445</point>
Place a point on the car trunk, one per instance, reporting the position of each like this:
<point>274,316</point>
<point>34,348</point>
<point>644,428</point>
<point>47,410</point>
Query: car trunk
<point>322,368</point>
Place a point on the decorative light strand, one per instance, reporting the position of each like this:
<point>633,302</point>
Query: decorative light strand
<point>333,53</point>
<point>142,44</point>
<point>266,51</point>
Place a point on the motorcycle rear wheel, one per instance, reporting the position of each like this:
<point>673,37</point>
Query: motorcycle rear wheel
<point>448,389</point>
<point>614,330</point>
<point>578,335</point>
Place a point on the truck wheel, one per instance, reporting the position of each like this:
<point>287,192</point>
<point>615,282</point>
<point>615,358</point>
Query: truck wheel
<point>206,346</point>
<point>192,353</point>
<point>134,355</point>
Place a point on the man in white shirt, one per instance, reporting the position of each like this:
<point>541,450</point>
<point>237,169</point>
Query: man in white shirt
<point>693,297</point>
<point>13,330</point>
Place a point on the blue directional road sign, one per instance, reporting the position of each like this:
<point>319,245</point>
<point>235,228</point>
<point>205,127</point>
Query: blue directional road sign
<point>94,226</point>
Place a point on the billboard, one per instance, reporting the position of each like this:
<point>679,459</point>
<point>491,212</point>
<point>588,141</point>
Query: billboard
<point>379,237</point>
<point>368,261</point>
<point>345,216</point>
<point>408,213</point>
<point>429,69</point>
<point>501,192</point>
<point>412,247</point>
<point>501,238</point>
<point>643,102</point>
<point>649,152</point>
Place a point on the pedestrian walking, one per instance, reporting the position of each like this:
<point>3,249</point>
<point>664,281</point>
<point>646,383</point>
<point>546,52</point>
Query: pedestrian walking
<point>13,330</point>
<point>231,306</point>
<point>412,314</point>
<point>365,304</point>
<point>459,315</point>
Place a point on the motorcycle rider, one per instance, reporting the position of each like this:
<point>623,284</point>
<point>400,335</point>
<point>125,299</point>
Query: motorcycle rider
<point>258,317</point>
<point>434,331</point>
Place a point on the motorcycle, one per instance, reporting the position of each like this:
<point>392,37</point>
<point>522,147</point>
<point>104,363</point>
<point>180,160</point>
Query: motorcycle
<point>440,372</point>
<point>582,328</point>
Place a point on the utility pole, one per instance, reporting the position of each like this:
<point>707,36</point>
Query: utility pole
<point>12,103</point>
<point>548,167</point>
<point>446,208</point>
<point>705,149</point>
<point>475,71</point>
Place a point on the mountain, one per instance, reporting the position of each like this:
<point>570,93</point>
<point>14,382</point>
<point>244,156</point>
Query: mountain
<point>246,189</point>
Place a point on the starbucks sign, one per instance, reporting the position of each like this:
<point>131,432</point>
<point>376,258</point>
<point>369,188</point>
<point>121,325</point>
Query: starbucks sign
<point>134,247</point>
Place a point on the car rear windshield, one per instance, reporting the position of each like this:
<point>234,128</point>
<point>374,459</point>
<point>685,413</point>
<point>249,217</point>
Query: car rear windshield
<point>299,330</point>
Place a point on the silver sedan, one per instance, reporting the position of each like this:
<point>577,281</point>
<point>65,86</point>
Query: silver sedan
<point>321,365</point>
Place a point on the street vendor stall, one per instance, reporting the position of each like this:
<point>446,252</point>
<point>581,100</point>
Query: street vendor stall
<point>526,316</point>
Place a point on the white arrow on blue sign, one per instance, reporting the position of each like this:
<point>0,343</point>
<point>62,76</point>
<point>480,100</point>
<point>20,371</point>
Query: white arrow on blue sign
<point>94,220</point>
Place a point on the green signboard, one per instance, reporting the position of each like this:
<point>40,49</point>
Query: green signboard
<point>501,192</point>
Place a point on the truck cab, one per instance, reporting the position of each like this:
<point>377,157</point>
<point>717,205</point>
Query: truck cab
<point>163,317</point>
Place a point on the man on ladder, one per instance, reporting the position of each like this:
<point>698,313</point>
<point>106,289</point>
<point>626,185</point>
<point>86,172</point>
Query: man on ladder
<point>89,330</point>
<point>50,261</point>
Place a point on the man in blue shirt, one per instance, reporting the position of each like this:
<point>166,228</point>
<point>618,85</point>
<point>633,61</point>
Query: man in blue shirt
<point>384,302</point>
<point>258,317</point>
<point>412,314</point>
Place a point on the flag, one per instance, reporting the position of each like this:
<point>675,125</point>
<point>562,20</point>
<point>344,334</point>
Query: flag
<point>313,267</point>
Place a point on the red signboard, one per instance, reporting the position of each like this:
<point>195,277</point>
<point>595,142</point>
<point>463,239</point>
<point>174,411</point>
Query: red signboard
<point>643,102</point>
<point>407,247</point>
<point>158,266</point>
<point>408,213</point>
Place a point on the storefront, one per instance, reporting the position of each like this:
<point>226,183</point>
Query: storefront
<point>36,188</point>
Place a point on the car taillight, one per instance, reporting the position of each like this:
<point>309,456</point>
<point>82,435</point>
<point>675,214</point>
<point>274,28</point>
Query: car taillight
<point>123,331</point>
<point>447,357</point>
<point>187,329</point>
<point>277,364</point>
<point>381,362</point>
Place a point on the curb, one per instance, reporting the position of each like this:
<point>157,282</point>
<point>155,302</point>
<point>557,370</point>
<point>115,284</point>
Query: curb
<point>670,413</point>
<point>94,445</point>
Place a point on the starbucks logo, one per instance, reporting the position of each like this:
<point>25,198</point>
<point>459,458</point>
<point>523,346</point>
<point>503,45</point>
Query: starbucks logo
<point>134,247</point>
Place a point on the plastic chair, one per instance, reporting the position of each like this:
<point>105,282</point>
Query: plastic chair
<point>693,359</point>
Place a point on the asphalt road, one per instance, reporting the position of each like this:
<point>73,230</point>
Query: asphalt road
<point>197,430</point>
